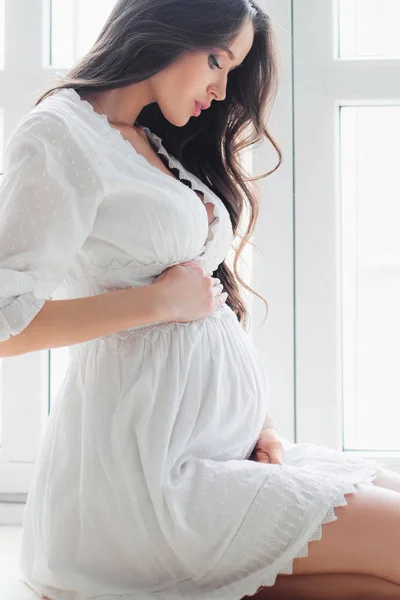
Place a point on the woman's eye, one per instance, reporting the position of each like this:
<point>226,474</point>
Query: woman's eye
<point>214,61</point>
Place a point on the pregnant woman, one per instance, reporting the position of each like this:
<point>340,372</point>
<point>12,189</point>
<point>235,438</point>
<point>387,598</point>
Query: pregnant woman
<point>161,474</point>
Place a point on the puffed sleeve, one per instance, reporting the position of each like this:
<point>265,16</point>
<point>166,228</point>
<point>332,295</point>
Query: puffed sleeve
<point>49,196</point>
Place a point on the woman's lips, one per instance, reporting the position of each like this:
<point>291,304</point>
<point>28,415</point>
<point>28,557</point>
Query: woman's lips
<point>197,110</point>
<point>200,106</point>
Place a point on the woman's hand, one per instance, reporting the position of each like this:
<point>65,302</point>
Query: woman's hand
<point>269,448</point>
<point>189,292</point>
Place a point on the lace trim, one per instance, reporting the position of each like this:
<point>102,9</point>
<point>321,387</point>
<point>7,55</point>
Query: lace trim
<point>183,173</point>
<point>173,163</point>
<point>368,477</point>
<point>166,327</point>
<point>95,271</point>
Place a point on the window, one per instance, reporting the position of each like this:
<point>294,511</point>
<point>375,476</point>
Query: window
<point>347,276</point>
<point>75,25</point>
<point>371,276</point>
<point>369,29</point>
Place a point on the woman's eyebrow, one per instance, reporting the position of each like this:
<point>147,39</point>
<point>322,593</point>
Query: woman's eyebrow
<point>231,56</point>
<point>227,51</point>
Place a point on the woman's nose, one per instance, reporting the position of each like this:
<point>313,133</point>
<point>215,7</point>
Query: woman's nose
<point>219,92</point>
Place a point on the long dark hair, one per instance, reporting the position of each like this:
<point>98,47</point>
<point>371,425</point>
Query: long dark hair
<point>142,37</point>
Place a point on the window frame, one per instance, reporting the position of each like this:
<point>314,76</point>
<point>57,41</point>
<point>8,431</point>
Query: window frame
<point>323,83</point>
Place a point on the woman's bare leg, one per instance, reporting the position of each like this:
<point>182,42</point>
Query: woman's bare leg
<point>328,587</point>
<point>363,540</point>
<point>363,544</point>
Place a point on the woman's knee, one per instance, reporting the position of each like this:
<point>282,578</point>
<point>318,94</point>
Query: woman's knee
<point>388,479</point>
<point>364,539</point>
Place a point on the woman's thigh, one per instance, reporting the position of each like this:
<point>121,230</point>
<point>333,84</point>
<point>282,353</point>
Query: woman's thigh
<point>358,553</point>
<point>337,586</point>
<point>364,539</point>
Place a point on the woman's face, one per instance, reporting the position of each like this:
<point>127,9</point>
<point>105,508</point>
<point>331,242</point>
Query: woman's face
<point>196,76</point>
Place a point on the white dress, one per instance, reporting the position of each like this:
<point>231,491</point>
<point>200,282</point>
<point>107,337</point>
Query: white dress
<point>142,488</point>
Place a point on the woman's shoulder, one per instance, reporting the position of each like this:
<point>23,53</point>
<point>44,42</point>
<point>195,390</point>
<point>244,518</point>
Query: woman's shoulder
<point>59,121</point>
<point>52,135</point>
<point>50,113</point>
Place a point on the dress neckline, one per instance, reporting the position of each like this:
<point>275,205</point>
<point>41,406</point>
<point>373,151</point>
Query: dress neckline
<point>196,184</point>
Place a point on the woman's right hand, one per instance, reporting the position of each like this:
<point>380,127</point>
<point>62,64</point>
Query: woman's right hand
<point>190,291</point>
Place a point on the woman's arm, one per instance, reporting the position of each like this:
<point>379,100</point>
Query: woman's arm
<point>67,322</point>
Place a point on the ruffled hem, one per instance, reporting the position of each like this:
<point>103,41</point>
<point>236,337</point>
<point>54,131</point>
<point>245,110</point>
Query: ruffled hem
<point>248,585</point>
<point>287,568</point>
<point>18,314</point>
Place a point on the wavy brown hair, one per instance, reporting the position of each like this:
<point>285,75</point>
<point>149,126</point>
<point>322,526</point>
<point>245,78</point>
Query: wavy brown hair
<point>142,37</point>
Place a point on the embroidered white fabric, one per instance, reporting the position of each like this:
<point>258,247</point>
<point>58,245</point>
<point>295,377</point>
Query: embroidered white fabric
<point>143,487</point>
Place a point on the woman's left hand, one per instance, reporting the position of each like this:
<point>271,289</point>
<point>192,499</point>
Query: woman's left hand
<point>269,448</point>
